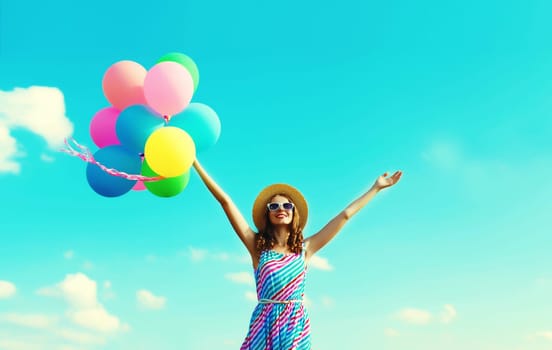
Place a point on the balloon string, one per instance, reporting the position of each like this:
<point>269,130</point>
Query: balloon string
<point>85,154</point>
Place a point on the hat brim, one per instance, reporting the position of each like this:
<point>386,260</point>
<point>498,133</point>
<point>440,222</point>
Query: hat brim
<point>259,207</point>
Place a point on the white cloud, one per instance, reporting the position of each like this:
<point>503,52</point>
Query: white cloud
<point>55,339</point>
<point>543,282</point>
<point>414,316</point>
<point>15,344</point>
<point>251,296</point>
<point>80,292</point>
<point>241,277</point>
<point>81,338</point>
<point>7,289</point>
<point>29,320</point>
<point>307,301</point>
<point>68,347</point>
<point>324,301</point>
<point>222,256</point>
<point>545,334</point>
<point>327,301</point>
<point>108,293</point>
<point>476,174</point>
<point>147,300</point>
<point>231,342</point>
<point>320,263</point>
<point>443,154</point>
<point>243,258</point>
<point>38,109</point>
<point>448,314</point>
<point>69,254</point>
<point>390,332</point>
<point>197,255</point>
<point>49,292</point>
<point>8,151</point>
<point>47,158</point>
<point>96,318</point>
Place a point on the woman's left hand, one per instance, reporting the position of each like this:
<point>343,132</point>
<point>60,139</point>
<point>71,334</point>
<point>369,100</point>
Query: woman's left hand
<point>383,181</point>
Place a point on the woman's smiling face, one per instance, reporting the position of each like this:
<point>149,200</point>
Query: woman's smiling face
<point>280,216</point>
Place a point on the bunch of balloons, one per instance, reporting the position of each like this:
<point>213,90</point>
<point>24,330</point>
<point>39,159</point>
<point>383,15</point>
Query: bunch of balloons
<point>151,128</point>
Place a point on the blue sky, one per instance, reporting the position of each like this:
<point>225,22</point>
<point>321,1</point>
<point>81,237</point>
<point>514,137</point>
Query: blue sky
<point>325,97</point>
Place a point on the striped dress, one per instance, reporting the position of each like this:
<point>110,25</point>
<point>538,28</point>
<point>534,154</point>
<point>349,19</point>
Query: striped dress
<point>279,326</point>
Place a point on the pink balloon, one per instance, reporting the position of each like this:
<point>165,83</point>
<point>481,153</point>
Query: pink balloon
<point>168,88</point>
<point>139,186</point>
<point>123,84</point>
<point>102,127</point>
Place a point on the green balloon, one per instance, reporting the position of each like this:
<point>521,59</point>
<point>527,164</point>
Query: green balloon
<point>184,60</point>
<point>168,187</point>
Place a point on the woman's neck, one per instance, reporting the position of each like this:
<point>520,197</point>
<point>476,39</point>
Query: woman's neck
<point>281,235</point>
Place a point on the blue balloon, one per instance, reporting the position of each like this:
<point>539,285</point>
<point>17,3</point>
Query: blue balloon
<point>135,124</point>
<point>201,122</point>
<point>115,157</point>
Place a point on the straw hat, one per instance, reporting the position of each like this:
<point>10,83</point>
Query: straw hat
<point>259,207</point>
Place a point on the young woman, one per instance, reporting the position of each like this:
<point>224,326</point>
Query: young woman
<point>280,253</point>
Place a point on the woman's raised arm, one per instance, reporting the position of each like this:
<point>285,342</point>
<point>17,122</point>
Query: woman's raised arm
<point>237,220</point>
<point>332,228</point>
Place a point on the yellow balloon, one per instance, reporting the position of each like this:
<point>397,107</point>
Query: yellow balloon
<point>170,151</point>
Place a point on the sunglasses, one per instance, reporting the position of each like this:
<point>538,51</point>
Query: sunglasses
<point>275,206</point>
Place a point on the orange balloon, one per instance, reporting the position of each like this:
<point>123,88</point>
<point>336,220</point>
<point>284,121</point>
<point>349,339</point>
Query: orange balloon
<point>170,151</point>
<point>123,84</point>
